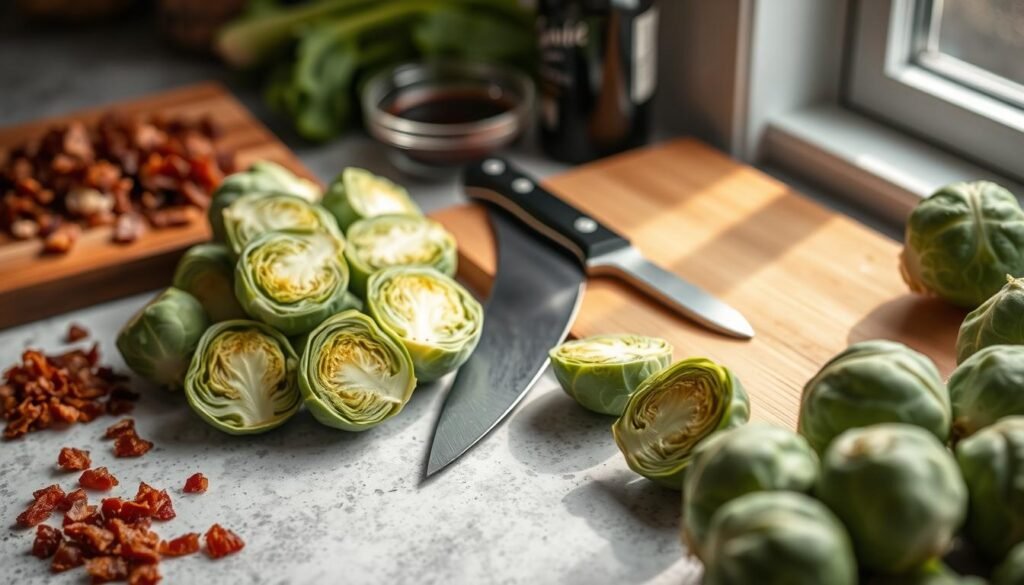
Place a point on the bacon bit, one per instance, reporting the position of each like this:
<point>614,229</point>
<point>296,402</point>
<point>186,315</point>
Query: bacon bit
<point>76,333</point>
<point>137,543</point>
<point>125,425</point>
<point>97,479</point>
<point>144,575</point>
<point>62,239</point>
<point>185,544</point>
<point>41,507</point>
<point>128,227</point>
<point>107,569</point>
<point>221,542</point>
<point>71,459</point>
<point>134,511</point>
<point>196,484</point>
<point>131,445</point>
<point>159,502</point>
<point>71,498</point>
<point>47,540</point>
<point>81,511</point>
<point>68,556</point>
<point>94,539</point>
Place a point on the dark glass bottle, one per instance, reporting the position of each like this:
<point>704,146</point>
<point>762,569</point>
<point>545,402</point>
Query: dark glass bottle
<point>598,74</point>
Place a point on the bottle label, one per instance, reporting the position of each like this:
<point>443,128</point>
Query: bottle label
<point>645,56</point>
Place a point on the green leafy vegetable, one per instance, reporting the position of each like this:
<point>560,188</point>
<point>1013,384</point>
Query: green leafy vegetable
<point>263,177</point>
<point>358,194</point>
<point>986,387</point>
<point>998,321</point>
<point>207,272</point>
<point>398,240</point>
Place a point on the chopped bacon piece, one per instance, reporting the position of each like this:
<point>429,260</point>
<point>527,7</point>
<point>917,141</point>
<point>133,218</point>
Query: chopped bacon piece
<point>221,542</point>
<point>97,479</point>
<point>196,484</point>
<point>159,501</point>
<point>81,511</point>
<point>73,496</point>
<point>131,445</point>
<point>106,569</point>
<point>68,556</point>
<point>125,425</point>
<point>93,538</point>
<point>47,540</point>
<point>76,333</point>
<point>41,507</point>
<point>71,459</point>
<point>185,544</point>
<point>144,575</point>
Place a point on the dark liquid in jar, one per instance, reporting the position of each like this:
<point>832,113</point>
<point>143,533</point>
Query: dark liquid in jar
<point>449,106</point>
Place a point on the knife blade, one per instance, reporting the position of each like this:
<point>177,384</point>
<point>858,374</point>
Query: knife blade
<point>600,249</point>
<point>534,298</point>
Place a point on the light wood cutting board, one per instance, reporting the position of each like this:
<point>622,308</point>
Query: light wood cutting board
<point>33,286</point>
<point>809,280</point>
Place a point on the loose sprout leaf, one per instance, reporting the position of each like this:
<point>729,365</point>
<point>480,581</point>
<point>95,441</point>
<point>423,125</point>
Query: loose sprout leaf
<point>253,215</point>
<point>398,240</point>
<point>242,378</point>
<point>434,317</point>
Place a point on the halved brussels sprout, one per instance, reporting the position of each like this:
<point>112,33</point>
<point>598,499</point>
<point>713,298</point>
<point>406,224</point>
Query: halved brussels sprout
<point>778,538</point>
<point>873,382</point>
<point>292,280</point>
<point>992,463</point>
<point>729,464</point>
<point>262,177</point>
<point>602,371</point>
<point>434,317</point>
<point>1011,570</point>
<point>242,378</point>
<point>354,375</point>
<point>962,242</point>
<point>207,272</point>
<point>899,492</point>
<point>674,410</point>
<point>397,240</point>
<point>157,343</point>
<point>933,572</point>
<point>358,194</point>
<point>998,321</point>
<point>986,387</point>
<point>251,216</point>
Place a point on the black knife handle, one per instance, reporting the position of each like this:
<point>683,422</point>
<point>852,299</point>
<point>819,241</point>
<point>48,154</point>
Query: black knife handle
<point>496,181</point>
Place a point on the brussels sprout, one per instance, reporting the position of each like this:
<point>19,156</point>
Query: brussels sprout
<point>992,462</point>
<point>242,378</point>
<point>986,387</point>
<point>729,464</point>
<point>358,194</point>
<point>253,215</point>
<point>434,317</point>
<point>262,177</point>
<point>600,372</point>
<point>1011,570</point>
<point>962,242</point>
<point>353,375</point>
<point>778,538</point>
<point>158,342</point>
<point>292,280</point>
<point>397,240</point>
<point>207,272</point>
<point>672,411</point>
<point>899,492</point>
<point>998,321</point>
<point>933,572</point>
<point>872,382</point>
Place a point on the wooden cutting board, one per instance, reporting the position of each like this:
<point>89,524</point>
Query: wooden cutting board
<point>33,286</point>
<point>809,280</point>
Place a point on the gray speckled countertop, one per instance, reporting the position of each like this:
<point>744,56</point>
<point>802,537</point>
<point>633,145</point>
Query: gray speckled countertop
<point>545,499</point>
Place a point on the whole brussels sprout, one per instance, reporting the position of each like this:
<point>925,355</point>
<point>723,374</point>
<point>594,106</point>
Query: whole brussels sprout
<point>262,177</point>
<point>933,572</point>
<point>962,242</point>
<point>251,216</point>
<point>158,341</point>
<point>986,387</point>
<point>353,375</point>
<point>899,492</point>
<point>674,410</point>
<point>992,463</point>
<point>998,321</point>
<point>242,378</point>
<point>397,240</point>
<point>358,194</point>
<point>729,464</point>
<point>207,272</point>
<point>778,538</point>
<point>292,280</point>
<point>434,317</point>
<point>873,382</point>
<point>600,372</point>
<point>1011,570</point>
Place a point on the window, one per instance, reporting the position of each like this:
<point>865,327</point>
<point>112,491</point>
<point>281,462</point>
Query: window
<point>948,71</point>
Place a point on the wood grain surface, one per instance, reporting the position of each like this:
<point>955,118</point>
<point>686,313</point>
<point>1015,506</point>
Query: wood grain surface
<point>33,285</point>
<point>809,280</point>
